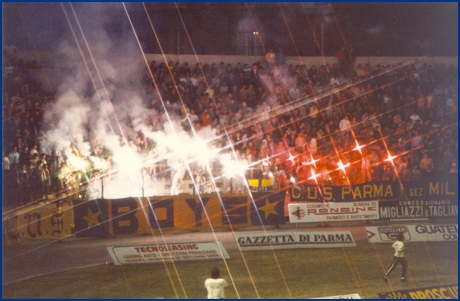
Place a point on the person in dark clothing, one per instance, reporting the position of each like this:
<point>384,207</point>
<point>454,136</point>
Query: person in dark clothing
<point>24,185</point>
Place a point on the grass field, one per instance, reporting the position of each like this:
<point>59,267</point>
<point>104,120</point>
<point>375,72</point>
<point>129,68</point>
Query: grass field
<point>299,273</point>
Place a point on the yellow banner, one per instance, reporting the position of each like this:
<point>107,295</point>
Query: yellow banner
<point>255,185</point>
<point>44,222</point>
<point>104,218</point>
<point>182,212</point>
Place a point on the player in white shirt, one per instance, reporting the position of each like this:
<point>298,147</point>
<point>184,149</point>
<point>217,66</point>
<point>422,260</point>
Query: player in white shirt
<point>399,258</point>
<point>215,285</point>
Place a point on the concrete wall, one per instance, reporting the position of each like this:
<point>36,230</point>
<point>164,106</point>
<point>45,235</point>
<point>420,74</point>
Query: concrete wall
<point>308,61</point>
<point>234,59</point>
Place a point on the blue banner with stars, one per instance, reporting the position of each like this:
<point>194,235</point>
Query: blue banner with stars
<point>268,209</point>
<point>102,217</point>
<point>91,218</point>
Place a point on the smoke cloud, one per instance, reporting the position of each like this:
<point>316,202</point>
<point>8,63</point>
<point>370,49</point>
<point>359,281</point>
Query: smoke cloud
<point>101,103</point>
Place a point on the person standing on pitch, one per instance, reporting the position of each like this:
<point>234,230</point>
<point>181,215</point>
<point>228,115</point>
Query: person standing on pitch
<point>399,258</point>
<point>215,285</point>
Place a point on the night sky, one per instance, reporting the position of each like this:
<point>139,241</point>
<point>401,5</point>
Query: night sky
<point>374,29</point>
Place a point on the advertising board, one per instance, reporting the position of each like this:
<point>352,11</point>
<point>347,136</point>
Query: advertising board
<point>413,233</point>
<point>331,212</point>
<point>254,241</point>
<point>433,292</point>
<point>171,252</point>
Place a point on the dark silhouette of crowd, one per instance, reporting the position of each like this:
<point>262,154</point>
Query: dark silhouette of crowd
<point>334,125</point>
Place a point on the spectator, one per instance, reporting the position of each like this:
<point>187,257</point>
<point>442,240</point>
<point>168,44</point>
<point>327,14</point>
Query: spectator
<point>14,159</point>
<point>345,125</point>
<point>351,59</point>
<point>280,59</point>
<point>426,165</point>
<point>416,173</point>
<point>342,59</point>
<point>406,173</point>
<point>416,142</point>
<point>366,168</point>
<point>270,58</point>
<point>414,118</point>
<point>24,185</point>
<point>454,168</point>
<point>448,158</point>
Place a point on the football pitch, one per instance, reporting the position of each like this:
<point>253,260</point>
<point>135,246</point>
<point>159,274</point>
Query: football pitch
<point>295,273</point>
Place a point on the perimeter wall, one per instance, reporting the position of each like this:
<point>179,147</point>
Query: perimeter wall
<point>431,201</point>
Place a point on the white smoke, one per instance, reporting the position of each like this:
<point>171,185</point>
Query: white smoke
<point>323,11</point>
<point>376,30</point>
<point>424,45</point>
<point>100,103</point>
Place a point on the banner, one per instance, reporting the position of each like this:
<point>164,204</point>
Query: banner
<point>417,209</point>
<point>362,192</point>
<point>44,222</point>
<point>413,233</point>
<point>332,212</point>
<point>434,292</point>
<point>256,185</point>
<point>267,209</point>
<point>442,189</point>
<point>91,218</point>
<point>349,296</point>
<point>171,252</point>
<point>255,241</point>
<point>101,218</point>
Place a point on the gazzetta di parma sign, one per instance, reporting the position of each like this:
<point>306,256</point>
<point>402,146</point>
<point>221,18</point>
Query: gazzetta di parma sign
<point>253,241</point>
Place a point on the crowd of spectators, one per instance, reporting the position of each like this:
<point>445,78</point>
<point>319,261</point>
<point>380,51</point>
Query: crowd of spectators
<point>26,175</point>
<point>337,124</point>
<point>272,112</point>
